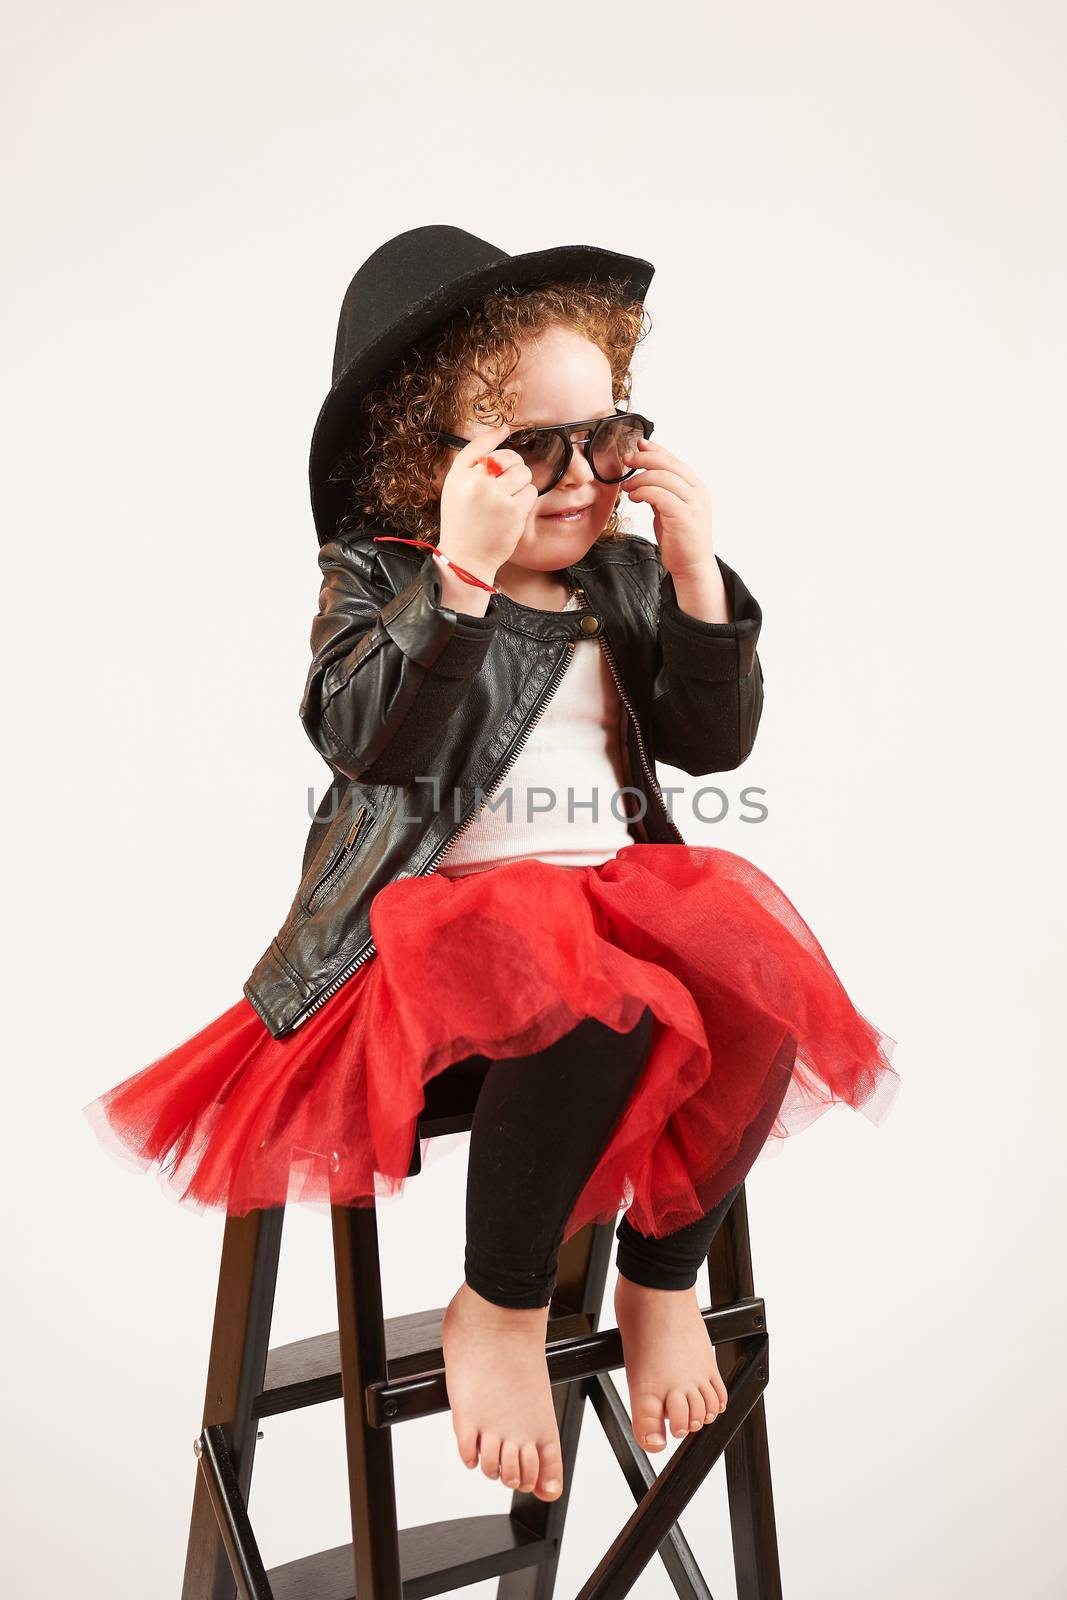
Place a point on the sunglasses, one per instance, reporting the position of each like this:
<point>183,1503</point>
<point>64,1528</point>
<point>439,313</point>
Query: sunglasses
<point>548,451</point>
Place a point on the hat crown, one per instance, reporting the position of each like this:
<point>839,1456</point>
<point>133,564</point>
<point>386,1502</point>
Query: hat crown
<point>405,274</point>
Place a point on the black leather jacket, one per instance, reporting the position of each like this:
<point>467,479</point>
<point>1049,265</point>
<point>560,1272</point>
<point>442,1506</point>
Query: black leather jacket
<point>403,690</point>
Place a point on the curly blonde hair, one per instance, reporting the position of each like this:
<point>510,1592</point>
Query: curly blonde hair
<point>390,471</point>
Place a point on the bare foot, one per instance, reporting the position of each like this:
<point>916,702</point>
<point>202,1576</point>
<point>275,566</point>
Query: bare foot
<point>497,1380</point>
<point>670,1362</point>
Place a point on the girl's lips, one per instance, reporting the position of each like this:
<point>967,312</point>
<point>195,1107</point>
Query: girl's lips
<point>566,516</point>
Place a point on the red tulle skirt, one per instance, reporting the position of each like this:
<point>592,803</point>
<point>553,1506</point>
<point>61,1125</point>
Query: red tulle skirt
<point>501,963</point>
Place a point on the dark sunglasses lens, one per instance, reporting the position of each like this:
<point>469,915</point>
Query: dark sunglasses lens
<point>542,452</point>
<point>613,441</point>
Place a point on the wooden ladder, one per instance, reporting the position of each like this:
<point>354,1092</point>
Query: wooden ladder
<point>391,1371</point>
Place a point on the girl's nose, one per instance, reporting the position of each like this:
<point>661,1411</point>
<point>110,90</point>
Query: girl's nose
<point>578,468</point>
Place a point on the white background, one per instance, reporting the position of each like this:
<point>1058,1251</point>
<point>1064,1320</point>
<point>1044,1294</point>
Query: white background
<point>856,215</point>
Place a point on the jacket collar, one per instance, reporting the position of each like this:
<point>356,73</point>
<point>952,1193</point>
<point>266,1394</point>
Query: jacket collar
<point>592,572</point>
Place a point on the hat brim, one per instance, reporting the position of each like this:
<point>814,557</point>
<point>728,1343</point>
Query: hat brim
<point>332,432</point>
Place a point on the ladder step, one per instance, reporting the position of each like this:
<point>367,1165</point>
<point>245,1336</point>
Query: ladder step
<point>435,1558</point>
<point>308,1371</point>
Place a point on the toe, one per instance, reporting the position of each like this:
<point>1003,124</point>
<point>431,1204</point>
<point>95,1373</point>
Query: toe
<point>648,1424</point>
<point>711,1400</point>
<point>467,1444</point>
<point>529,1466</point>
<point>490,1454</point>
<point>719,1387</point>
<point>677,1409</point>
<point>550,1481</point>
<point>509,1464</point>
<point>697,1409</point>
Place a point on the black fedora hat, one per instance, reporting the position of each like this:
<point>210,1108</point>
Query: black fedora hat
<point>411,285</point>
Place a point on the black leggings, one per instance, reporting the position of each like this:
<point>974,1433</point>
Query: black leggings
<point>540,1125</point>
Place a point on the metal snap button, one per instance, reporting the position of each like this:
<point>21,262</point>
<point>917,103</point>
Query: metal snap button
<point>590,624</point>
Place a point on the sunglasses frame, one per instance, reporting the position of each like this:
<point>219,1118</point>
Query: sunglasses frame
<point>563,431</point>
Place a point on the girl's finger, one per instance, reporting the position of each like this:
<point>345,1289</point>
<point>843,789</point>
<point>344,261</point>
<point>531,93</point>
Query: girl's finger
<point>475,450</point>
<point>668,480</point>
<point>654,494</point>
<point>506,462</point>
<point>648,450</point>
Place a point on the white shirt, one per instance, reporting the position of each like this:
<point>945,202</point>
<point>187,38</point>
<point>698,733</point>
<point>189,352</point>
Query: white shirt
<point>571,763</point>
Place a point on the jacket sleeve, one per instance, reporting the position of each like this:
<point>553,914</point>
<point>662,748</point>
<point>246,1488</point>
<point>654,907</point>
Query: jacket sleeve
<point>388,670</point>
<point>707,695</point>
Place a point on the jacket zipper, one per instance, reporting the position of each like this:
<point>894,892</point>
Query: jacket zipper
<point>344,855</point>
<point>646,765</point>
<point>369,948</point>
<point>553,684</point>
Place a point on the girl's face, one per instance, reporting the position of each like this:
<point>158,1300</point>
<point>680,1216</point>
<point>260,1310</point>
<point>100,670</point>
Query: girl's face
<point>562,377</point>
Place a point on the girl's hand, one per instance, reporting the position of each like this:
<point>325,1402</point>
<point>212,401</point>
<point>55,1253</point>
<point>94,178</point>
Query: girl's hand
<point>681,509</point>
<point>484,509</point>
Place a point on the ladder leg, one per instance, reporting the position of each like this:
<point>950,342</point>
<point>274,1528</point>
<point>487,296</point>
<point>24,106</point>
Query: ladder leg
<point>361,1330</point>
<point>748,1461</point>
<point>248,1276</point>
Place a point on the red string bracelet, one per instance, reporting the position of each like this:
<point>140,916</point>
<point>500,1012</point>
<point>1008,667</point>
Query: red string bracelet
<point>469,577</point>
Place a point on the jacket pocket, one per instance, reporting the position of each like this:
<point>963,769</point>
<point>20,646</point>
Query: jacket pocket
<point>340,860</point>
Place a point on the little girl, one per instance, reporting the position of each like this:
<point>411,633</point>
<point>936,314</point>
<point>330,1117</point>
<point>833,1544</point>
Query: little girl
<point>642,1015</point>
